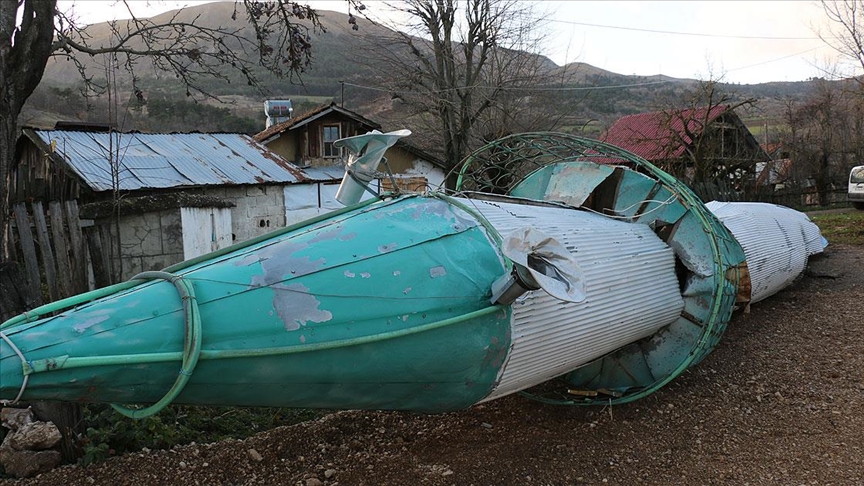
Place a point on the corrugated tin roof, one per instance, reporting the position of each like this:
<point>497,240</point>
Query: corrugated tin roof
<point>325,174</point>
<point>659,135</point>
<point>165,160</point>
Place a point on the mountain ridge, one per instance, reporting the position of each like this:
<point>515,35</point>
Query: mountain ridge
<point>340,56</point>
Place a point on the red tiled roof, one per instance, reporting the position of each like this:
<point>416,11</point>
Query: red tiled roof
<point>659,135</point>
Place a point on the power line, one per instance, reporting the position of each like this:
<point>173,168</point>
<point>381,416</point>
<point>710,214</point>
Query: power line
<point>774,60</point>
<point>510,88</point>
<point>674,32</point>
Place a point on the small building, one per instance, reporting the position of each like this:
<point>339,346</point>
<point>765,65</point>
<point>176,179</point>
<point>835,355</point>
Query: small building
<point>699,145</point>
<point>308,139</point>
<point>156,199</point>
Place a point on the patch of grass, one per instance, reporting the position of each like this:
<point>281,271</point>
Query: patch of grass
<point>109,433</point>
<point>841,228</point>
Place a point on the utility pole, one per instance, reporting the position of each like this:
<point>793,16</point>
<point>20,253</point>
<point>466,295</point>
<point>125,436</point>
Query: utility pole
<point>342,98</point>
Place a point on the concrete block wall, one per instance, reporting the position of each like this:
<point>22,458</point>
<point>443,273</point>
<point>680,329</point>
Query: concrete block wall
<point>258,209</point>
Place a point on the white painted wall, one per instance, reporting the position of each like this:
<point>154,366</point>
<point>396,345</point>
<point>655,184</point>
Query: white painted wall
<point>434,175</point>
<point>205,230</point>
<point>304,201</point>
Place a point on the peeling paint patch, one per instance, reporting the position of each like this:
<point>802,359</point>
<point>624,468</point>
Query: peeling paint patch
<point>349,274</point>
<point>279,263</point>
<point>396,273</point>
<point>388,247</point>
<point>407,289</point>
<point>348,236</point>
<point>333,234</point>
<point>302,338</point>
<point>405,318</point>
<point>438,271</point>
<point>461,220</point>
<point>365,274</point>
<point>80,327</point>
<point>297,306</point>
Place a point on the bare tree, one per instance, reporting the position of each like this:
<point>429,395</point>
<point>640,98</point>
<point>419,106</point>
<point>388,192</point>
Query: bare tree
<point>471,68</point>
<point>34,31</point>
<point>699,138</point>
<point>845,33</point>
<point>710,135</point>
<point>823,134</point>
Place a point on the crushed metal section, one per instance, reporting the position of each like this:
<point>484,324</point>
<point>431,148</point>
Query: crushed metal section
<point>777,242</point>
<point>630,290</point>
<point>594,176</point>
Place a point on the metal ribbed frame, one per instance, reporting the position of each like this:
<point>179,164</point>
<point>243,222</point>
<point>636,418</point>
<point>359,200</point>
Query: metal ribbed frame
<point>500,166</point>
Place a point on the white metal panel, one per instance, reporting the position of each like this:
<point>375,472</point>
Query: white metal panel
<point>776,241</point>
<point>301,202</point>
<point>205,230</point>
<point>631,292</point>
<point>305,201</point>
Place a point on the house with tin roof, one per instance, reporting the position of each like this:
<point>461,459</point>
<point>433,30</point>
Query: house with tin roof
<point>308,139</point>
<point>699,145</point>
<point>149,200</point>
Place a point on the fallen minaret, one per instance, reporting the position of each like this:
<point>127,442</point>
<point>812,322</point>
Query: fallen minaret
<point>558,261</point>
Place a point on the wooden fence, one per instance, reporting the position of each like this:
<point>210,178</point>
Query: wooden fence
<point>51,251</point>
<point>793,197</point>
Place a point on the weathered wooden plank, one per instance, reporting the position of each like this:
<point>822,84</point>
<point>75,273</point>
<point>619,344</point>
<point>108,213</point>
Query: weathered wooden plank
<point>79,251</point>
<point>13,254</point>
<point>13,296</point>
<point>112,264</point>
<point>61,249</point>
<point>97,256</point>
<point>28,252</point>
<point>49,266</point>
<point>69,419</point>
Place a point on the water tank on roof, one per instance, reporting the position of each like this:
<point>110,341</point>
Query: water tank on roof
<point>277,111</point>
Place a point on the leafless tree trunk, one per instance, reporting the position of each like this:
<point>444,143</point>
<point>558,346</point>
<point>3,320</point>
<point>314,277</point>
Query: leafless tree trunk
<point>470,68</point>
<point>32,31</point>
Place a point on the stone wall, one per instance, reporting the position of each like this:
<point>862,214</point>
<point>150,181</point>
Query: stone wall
<point>148,241</point>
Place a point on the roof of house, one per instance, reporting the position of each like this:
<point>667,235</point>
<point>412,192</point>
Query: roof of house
<point>659,135</point>
<point>773,172</point>
<point>308,117</point>
<point>165,160</point>
<point>323,110</point>
<point>325,174</point>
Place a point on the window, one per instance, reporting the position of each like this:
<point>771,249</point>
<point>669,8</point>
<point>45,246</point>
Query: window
<point>331,134</point>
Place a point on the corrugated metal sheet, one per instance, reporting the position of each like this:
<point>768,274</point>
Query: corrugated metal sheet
<point>325,174</point>
<point>631,289</point>
<point>165,160</point>
<point>777,241</point>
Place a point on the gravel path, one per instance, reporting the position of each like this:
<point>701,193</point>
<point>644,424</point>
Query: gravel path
<point>781,401</point>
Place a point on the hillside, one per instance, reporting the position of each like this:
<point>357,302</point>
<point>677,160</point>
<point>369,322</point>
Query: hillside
<point>343,55</point>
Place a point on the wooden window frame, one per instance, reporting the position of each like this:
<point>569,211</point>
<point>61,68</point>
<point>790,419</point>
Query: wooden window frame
<point>334,153</point>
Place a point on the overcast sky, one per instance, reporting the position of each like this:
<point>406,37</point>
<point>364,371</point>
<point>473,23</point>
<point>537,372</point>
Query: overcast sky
<point>744,41</point>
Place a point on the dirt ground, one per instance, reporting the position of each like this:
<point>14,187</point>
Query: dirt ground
<point>780,401</point>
